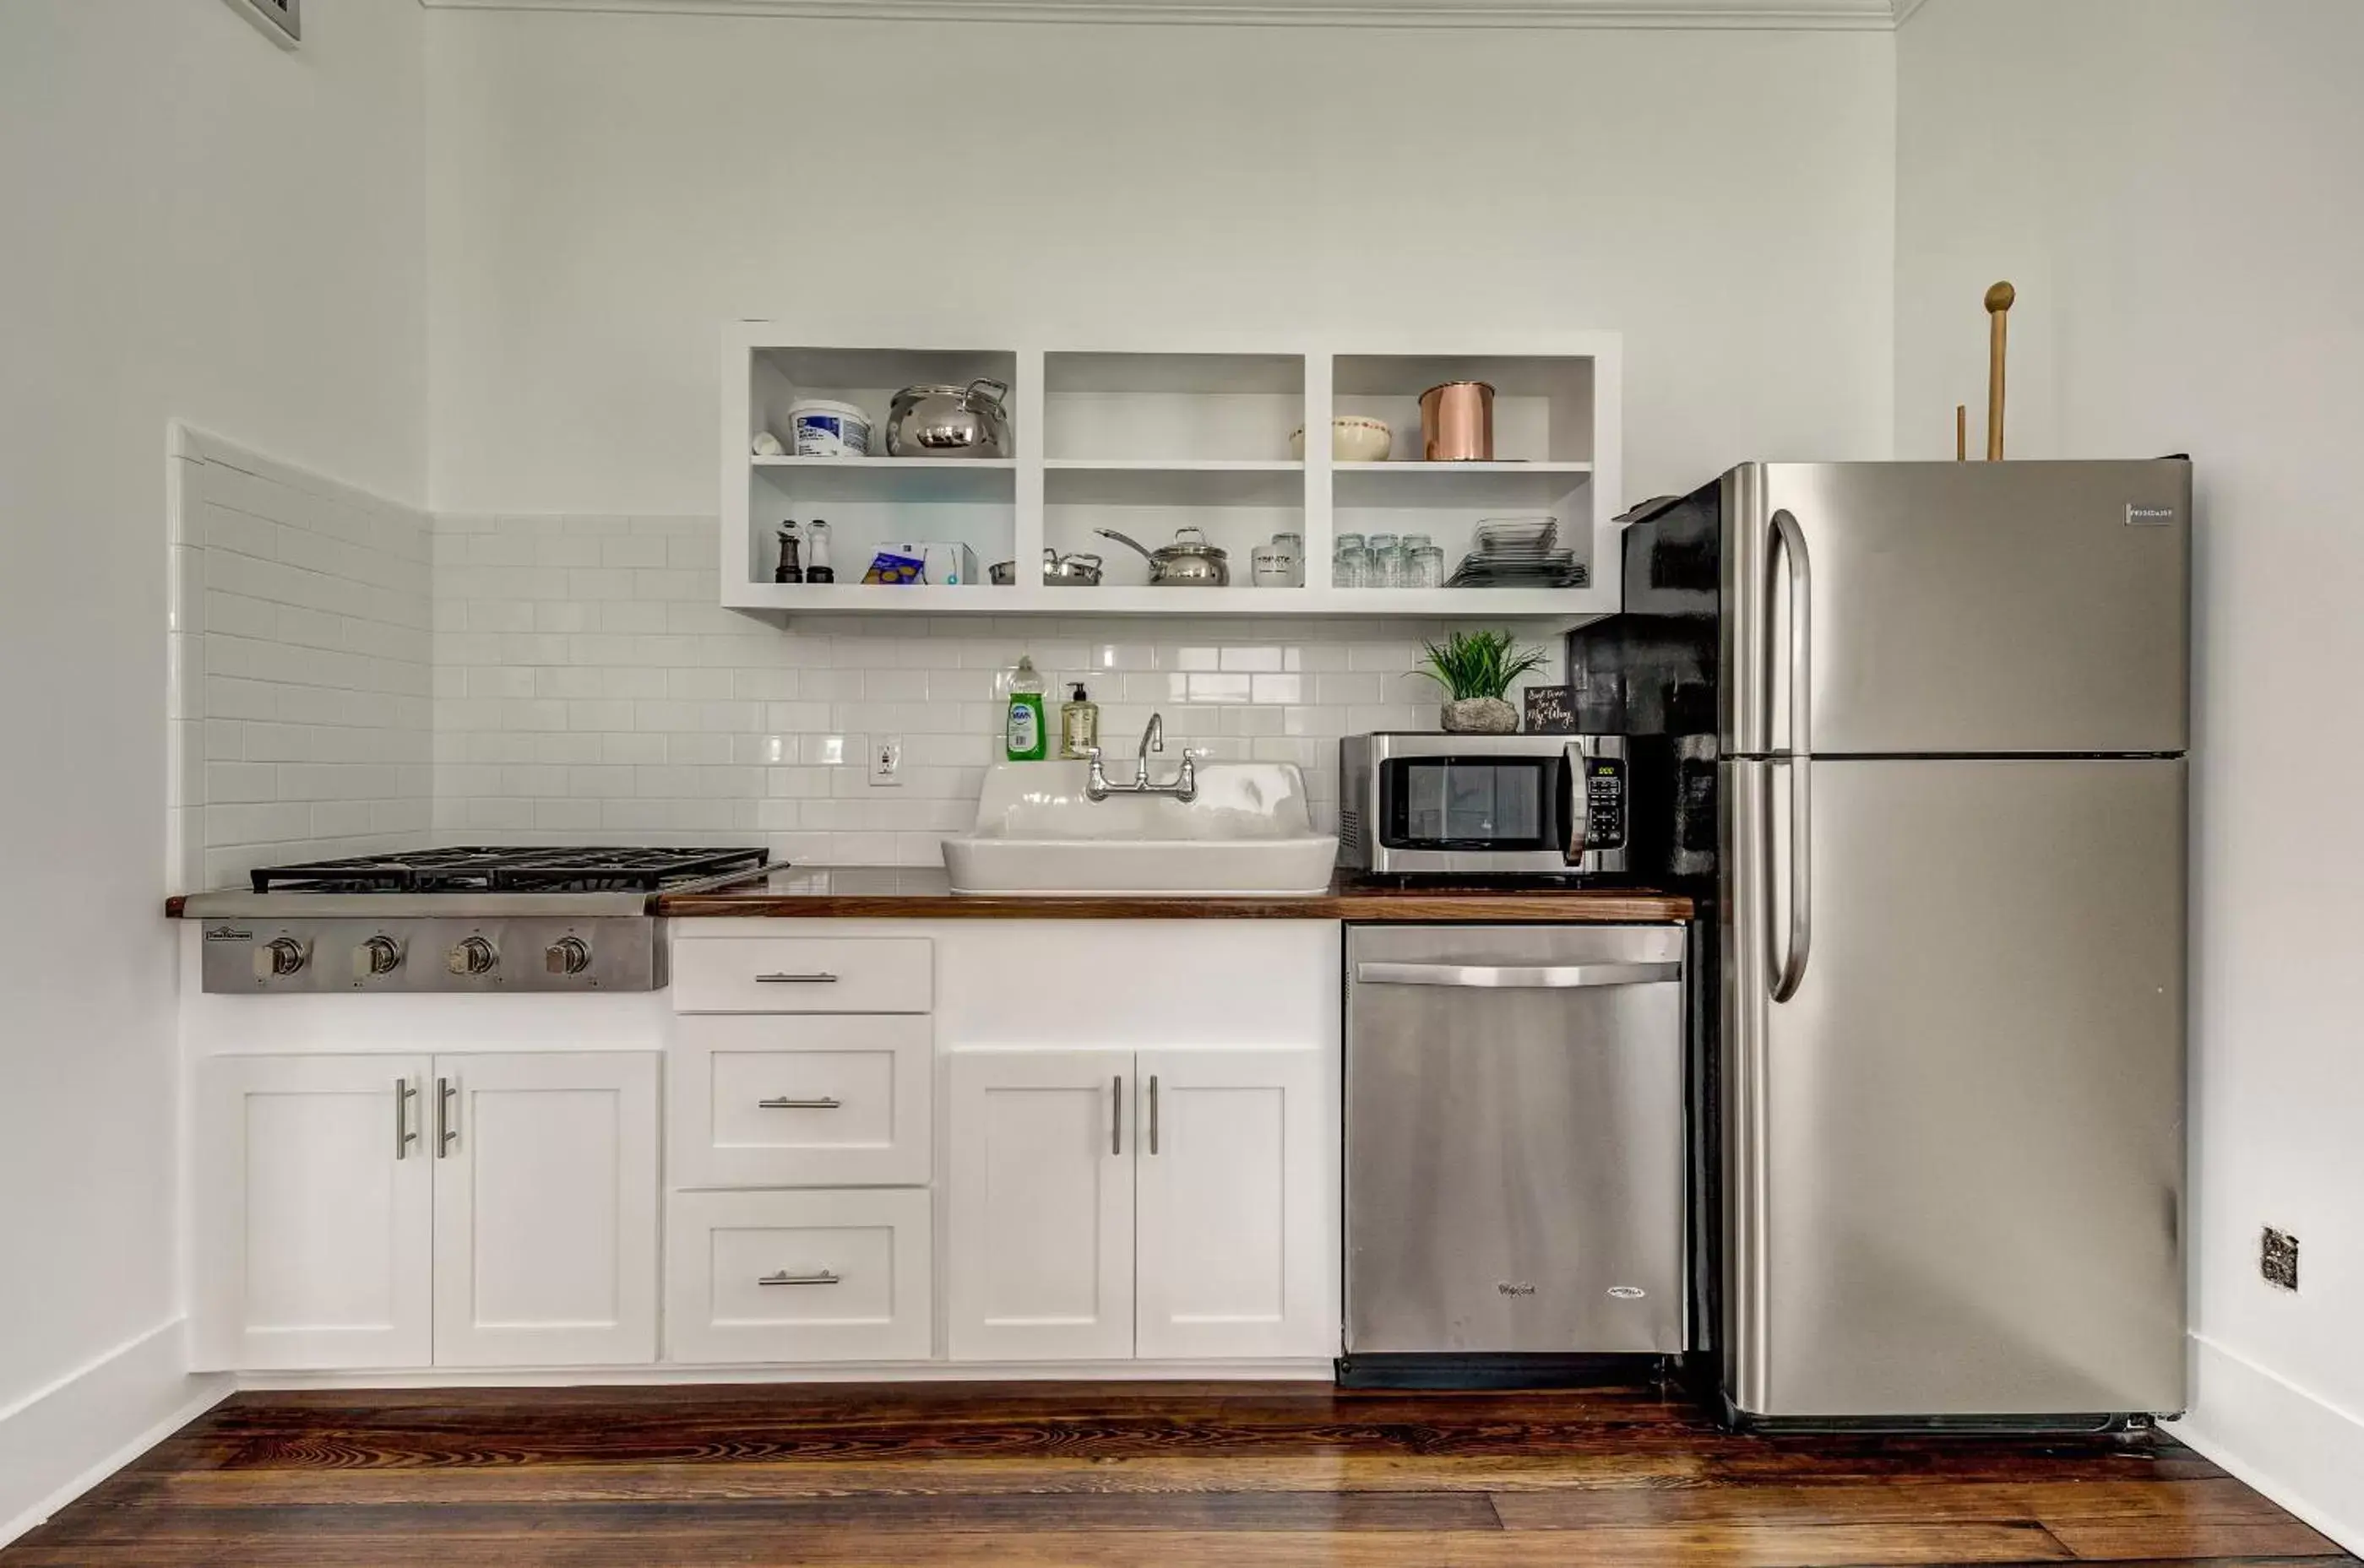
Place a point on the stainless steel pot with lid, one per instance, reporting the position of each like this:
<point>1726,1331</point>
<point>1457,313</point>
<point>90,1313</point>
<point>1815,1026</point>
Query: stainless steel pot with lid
<point>1189,562</point>
<point>950,421</point>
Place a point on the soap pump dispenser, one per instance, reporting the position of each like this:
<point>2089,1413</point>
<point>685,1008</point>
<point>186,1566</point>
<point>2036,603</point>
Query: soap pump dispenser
<point>1079,724</point>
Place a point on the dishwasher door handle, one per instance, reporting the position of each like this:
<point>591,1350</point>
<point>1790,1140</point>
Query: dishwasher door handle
<point>1540,977</point>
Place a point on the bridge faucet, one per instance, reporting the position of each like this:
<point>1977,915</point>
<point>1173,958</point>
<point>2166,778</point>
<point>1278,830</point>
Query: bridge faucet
<point>1184,788</point>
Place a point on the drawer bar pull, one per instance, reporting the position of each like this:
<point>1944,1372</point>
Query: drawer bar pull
<point>784,1277</point>
<point>782,1103</point>
<point>819,977</point>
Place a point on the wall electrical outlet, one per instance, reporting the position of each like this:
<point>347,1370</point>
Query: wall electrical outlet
<point>2278,1259</point>
<point>886,760</point>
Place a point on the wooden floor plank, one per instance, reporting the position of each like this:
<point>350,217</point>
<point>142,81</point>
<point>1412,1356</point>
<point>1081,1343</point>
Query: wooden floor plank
<point>1228,1476</point>
<point>2048,1503</point>
<point>2116,1540</point>
<point>1828,1546</point>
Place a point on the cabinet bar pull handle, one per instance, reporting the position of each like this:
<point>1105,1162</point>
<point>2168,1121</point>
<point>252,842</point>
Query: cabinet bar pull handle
<point>447,1125</point>
<point>784,1277</point>
<point>1116,1113</point>
<point>818,977</point>
<point>782,1103</point>
<point>403,1137</point>
<point>1153,1113</point>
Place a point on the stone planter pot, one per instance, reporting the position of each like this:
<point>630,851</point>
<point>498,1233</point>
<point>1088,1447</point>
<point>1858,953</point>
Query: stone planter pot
<point>1480,716</point>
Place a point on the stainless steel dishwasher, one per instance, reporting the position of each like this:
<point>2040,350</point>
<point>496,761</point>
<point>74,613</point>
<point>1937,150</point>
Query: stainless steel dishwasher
<point>1515,1140</point>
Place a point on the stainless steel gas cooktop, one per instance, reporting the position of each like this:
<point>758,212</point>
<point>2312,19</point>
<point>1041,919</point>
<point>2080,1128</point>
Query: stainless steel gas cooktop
<point>471,919</point>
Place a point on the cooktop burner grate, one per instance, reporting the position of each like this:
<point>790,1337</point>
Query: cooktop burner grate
<point>496,869</point>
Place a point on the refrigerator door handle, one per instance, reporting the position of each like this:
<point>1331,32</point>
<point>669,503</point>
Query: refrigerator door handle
<point>1788,968</point>
<point>1787,965</point>
<point>1789,542</point>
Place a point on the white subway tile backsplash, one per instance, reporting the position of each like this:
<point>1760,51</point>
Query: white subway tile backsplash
<point>701,723</point>
<point>311,610</point>
<point>354,678</point>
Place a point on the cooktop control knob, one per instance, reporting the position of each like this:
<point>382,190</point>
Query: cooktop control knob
<point>473,956</point>
<point>278,957</point>
<point>567,955</point>
<point>379,955</point>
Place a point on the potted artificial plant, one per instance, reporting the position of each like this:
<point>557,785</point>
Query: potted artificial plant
<point>1475,669</point>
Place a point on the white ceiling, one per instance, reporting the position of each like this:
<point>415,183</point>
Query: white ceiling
<point>1762,14</point>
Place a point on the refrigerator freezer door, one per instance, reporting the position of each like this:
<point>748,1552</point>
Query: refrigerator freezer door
<point>1954,1159</point>
<point>1514,1140</point>
<point>1958,609</point>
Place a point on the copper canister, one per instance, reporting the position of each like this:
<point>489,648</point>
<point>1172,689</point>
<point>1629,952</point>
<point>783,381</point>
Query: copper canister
<point>1456,422</point>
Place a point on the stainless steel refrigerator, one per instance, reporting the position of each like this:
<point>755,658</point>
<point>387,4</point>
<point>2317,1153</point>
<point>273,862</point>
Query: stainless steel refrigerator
<point>1922,730</point>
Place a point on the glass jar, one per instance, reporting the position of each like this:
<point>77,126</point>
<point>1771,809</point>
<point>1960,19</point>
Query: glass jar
<point>1386,560</point>
<point>1401,567</point>
<point>1350,566</point>
<point>1292,548</point>
<point>1424,567</point>
<point>1270,567</point>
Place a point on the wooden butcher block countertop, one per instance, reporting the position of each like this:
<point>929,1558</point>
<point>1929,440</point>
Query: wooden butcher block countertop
<point>913,892</point>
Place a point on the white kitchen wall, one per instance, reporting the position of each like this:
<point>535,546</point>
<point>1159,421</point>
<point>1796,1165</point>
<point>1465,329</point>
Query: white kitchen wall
<point>302,657</point>
<point>2172,186</point>
<point>200,225</point>
<point>606,190</point>
<point>587,687</point>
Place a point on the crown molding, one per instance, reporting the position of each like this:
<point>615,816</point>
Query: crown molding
<point>1764,14</point>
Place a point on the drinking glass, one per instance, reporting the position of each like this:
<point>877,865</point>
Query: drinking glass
<point>1350,567</point>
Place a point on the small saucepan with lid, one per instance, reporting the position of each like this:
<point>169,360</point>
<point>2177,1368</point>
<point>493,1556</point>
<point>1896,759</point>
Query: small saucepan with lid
<point>1189,562</point>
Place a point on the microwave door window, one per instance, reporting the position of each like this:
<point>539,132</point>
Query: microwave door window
<point>1472,805</point>
<point>1424,803</point>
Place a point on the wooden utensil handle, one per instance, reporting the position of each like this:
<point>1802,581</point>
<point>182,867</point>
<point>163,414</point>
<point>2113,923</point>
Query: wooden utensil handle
<point>1999,303</point>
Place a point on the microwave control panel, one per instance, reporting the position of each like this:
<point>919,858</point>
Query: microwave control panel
<point>1604,803</point>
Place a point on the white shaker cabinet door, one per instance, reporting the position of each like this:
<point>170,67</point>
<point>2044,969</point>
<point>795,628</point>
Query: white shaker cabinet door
<point>1041,1206</point>
<point>546,1191</point>
<point>1236,1245</point>
<point>315,1202</point>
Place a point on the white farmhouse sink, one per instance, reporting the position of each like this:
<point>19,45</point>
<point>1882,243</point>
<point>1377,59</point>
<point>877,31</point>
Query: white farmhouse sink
<point>1246,833</point>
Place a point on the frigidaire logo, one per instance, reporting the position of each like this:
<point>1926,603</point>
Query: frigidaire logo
<point>2149,516</point>
<point>1627,1292</point>
<point>1507,1288</point>
<point>229,934</point>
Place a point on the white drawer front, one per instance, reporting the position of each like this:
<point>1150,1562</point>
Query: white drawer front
<point>803,974</point>
<point>809,1101</point>
<point>807,1276</point>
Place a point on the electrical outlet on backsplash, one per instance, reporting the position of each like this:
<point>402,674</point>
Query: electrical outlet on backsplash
<point>588,686</point>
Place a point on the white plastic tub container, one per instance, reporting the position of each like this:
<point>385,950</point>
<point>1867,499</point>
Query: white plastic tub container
<point>819,428</point>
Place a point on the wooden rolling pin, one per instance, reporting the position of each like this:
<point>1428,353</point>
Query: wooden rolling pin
<point>1999,303</point>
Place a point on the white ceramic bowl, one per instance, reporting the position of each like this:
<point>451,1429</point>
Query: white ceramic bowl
<point>1353,438</point>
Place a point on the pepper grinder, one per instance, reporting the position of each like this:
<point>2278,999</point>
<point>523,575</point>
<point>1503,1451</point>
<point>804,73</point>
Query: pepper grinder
<point>789,570</point>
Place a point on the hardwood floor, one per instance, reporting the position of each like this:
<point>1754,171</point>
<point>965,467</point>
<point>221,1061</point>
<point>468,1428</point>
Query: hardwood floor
<point>1173,1476</point>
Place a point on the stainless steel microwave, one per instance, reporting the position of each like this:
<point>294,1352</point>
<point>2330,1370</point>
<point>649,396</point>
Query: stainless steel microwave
<point>1482,804</point>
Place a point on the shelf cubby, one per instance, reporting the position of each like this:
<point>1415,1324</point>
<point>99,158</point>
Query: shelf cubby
<point>1147,441</point>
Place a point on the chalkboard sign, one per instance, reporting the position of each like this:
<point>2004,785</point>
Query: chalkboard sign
<point>1551,710</point>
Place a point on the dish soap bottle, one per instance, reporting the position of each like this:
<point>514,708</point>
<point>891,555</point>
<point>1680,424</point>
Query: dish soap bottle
<point>1079,725</point>
<point>1023,739</point>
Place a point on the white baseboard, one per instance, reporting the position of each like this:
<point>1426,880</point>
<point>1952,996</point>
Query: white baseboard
<point>1287,1370</point>
<point>73,1434</point>
<point>2305,1455</point>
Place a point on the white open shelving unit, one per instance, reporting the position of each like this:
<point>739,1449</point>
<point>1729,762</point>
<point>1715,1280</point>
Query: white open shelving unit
<point>1146,442</point>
